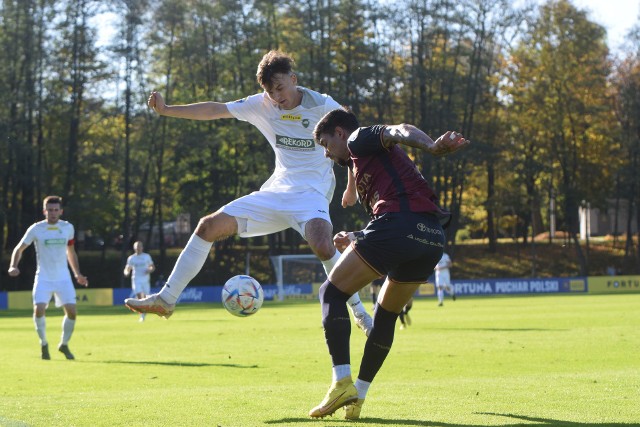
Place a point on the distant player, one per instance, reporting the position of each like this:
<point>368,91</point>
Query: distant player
<point>376,285</point>
<point>297,194</point>
<point>443,278</point>
<point>140,266</point>
<point>54,242</point>
<point>405,319</point>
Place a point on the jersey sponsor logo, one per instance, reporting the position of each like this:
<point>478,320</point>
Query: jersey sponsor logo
<point>55,242</point>
<point>296,144</point>
<point>291,117</point>
<point>53,227</point>
<point>426,229</point>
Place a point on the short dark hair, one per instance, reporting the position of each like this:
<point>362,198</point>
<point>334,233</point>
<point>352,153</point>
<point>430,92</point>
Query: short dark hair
<point>51,199</point>
<point>273,62</point>
<point>341,117</point>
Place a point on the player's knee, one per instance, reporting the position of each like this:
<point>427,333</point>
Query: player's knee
<point>323,249</point>
<point>216,226</point>
<point>323,290</point>
<point>71,314</point>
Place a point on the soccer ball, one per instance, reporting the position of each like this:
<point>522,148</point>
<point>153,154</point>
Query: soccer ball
<point>242,295</point>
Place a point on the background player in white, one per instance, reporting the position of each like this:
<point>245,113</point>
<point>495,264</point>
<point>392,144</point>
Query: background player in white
<point>443,278</point>
<point>54,242</point>
<point>140,266</point>
<point>297,194</point>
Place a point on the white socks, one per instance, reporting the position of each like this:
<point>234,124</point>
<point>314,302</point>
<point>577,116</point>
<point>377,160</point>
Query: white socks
<point>331,262</point>
<point>41,328</point>
<point>440,294</point>
<point>354,303</point>
<point>189,263</point>
<point>67,329</point>
<point>340,372</point>
<point>362,387</point>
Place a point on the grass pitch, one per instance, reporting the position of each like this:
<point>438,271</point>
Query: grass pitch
<point>545,360</point>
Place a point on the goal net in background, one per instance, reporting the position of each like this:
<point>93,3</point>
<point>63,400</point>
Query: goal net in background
<point>297,269</point>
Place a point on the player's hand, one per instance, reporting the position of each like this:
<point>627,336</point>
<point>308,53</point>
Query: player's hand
<point>156,101</point>
<point>82,280</point>
<point>448,143</point>
<point>342,240</point>
<point>14,271</point>
<point>349,198</point>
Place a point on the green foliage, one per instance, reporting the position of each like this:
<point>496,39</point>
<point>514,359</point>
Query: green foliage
<point>531,90</point>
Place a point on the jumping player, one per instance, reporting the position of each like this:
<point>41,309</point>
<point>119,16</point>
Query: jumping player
<point>54,242</point>
<point>403,240</point>
<point>296,196</point>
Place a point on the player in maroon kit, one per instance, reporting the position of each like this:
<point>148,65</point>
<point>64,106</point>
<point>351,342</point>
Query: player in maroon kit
<point>403,240</point>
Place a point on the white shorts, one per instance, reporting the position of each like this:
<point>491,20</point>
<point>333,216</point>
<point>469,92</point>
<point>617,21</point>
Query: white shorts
<point>63,290</point>
<point>141,286</point>
<point>443,278</point>
<point>268,212</point>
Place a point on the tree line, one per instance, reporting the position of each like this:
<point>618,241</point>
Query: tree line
<point>552,113</point>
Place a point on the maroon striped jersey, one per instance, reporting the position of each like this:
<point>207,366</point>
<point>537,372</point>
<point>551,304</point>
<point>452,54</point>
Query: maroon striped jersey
<point>387,180</point>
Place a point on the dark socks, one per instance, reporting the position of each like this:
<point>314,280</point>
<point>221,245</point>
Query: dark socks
<point>378,344</point>
<point>336,322</point>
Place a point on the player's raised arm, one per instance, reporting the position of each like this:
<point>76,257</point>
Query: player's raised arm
<point>413,137</point>
<point>350,195</point>
<point>199,111</point>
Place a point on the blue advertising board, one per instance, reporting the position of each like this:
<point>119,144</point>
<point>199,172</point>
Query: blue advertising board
<point>550,285</point>
<point>193,294</point>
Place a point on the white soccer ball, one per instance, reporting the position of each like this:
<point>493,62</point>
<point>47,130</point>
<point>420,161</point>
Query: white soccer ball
<point>242,295</point>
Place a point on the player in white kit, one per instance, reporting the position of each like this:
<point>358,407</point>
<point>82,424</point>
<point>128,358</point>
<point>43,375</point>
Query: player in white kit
<point>140,266</point>
<point>54,242</point>
<point>443,278</point>
<point>297,194</point>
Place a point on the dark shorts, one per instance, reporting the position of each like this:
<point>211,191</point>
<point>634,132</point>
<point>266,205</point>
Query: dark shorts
<point>406,246</point>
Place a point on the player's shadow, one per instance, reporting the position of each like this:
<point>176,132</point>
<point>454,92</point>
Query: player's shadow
<point>182,364</point>
<point>556,423</point>
<point>530,421</point>
<point>504,329</point>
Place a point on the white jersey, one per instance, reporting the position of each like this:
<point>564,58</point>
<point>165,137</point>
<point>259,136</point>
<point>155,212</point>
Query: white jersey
<point>444,262</point>
<point>139,265</point>
<point>51,241</point>
<point>300,163</point>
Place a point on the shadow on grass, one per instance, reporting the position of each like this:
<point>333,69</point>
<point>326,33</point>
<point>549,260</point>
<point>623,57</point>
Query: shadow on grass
<point>557,423</point>
<point>502,329</point>
<point>181,364</point>
<point>530,421</point>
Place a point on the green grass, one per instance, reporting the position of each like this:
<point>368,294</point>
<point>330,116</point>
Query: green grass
<point>546,360</point>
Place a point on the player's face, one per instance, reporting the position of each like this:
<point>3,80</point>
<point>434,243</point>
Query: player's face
<point>52,212</point>
<point>284,91</point>
<point>335,147</point>
<point>137,247</point>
